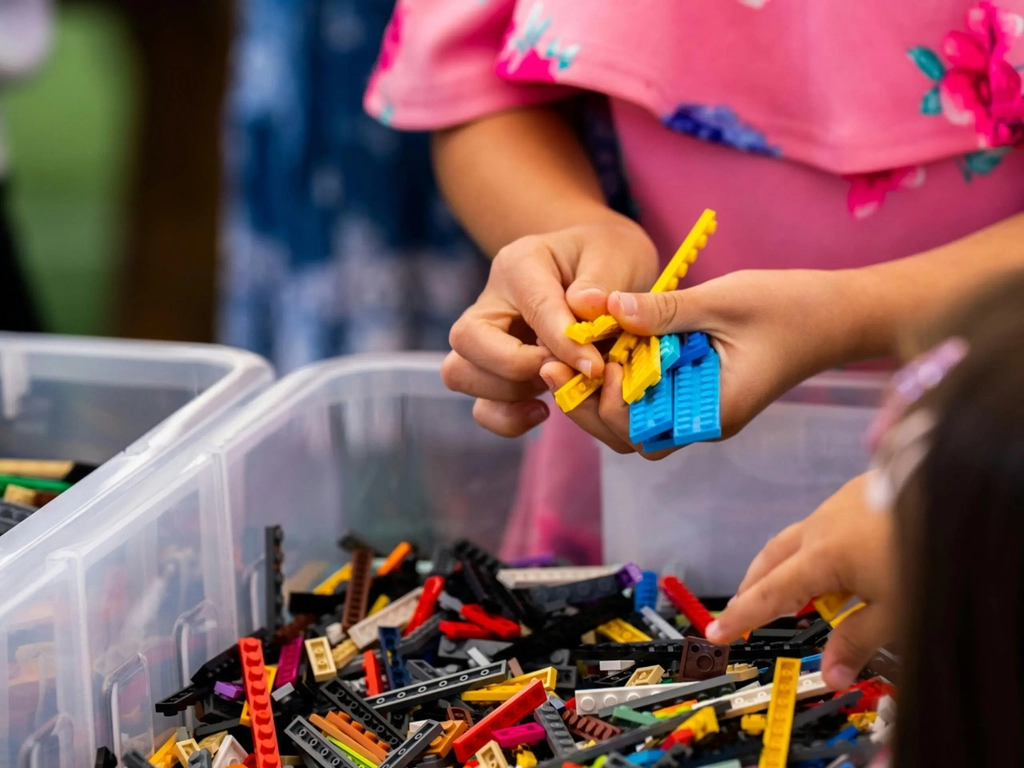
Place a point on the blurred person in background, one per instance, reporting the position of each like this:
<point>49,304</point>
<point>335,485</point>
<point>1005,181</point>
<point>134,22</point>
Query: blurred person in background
<point>335,238</point>
<point>25,36</point>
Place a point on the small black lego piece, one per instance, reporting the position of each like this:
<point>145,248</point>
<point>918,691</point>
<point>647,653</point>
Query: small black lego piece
<point>133,759</point>
<point>273,536</point>
<point>182,700</point>
<point>567,630</point>
<point>317,605</point>
<point>105,758</point>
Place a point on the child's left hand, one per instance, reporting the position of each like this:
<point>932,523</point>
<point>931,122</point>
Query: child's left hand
<point>843,547</point>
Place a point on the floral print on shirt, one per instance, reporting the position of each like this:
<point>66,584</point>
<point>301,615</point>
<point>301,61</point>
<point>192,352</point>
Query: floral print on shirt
<point>719,125</point>
<point>979,88</point>
<point>522,59</point>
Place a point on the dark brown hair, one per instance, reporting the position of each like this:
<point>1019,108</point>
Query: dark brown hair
<point>960,535</point>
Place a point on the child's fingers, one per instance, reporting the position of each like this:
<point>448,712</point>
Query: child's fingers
<point>509,419</point>
<point>460,375</point>
<point>852,644</point>
<point>603,269</point>
<point>485,342</point>
<point>657,314</point>
<point>779,547</point>
<point>613,410</point>
<point>586,415</point>
<point>784,590</point>
<point>540,298</point>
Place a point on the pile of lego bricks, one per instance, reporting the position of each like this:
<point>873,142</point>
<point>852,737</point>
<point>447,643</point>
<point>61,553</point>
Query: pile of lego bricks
<point>28,484</point>
<point>484,665</point>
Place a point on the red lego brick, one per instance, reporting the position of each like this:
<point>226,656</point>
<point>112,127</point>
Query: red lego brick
<point>682,736</point>
<point>571,704</point>
<point>505,716</point>
<point>806,610</point>
<point>374,679</point>
<point>432,588</point>
<point>499,625</point>
<point>686,603</point>
<point>257,695</point>
<point>461,630</point>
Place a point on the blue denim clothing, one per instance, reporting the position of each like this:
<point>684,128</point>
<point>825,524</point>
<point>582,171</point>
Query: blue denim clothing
<point>335,237</point>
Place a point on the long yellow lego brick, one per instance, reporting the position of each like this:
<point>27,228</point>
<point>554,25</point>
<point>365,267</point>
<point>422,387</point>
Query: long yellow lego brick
<point>643,369</point>
<point>619,631</point>
<point>619,353</point>
<point>687,253</point>
<point>779,724</point>
<point>569,396</point>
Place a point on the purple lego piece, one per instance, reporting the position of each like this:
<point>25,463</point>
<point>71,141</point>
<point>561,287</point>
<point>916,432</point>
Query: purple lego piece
<point>628,575</point>
<point>533,561</point>
<point>229,691</point>
<point>528,733</point>
<point>288,663</point>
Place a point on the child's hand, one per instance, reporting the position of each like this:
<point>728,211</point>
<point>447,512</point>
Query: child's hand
<point>537,288</point>
<point>772,330</point>
<point>843,546</point>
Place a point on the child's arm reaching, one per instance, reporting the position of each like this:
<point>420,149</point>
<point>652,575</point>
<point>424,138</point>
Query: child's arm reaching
<point>523,187</point>
<point>842,547</point>
<point>773,329</point>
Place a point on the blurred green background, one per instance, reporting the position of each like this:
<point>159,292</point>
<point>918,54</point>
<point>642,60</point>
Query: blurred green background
<point>69,127</point>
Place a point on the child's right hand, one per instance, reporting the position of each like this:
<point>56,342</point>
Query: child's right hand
<point>537,287</point>
<point>845,546</point>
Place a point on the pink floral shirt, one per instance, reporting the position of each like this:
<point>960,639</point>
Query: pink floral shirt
<point>825,134</point>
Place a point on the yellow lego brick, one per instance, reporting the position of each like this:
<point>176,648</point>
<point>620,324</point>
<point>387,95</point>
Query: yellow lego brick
<point>589,638</point>
<point>548,676</point>
<point>164,757</point>
<point>328,585</point>
<point>619,353</point>
<point>212,742</point>
<point>271,669</point>
<point>703,722</point>
<point>687,253</point>
<point>344,653</point>
<point>830,604</point>
<point>575,391</point>
<point>619,631</point>
<point>779,724</point>
<point>492,693</point>
<point>379,605</point>
<point>643,369</point>
<point>646,676</point>
<point>753,724</point>
<point>600,760</point>
<point>862,720</point>
<point>321,660</point>
<point>843,616</point>
<point>585,332</point>
<point>524,757</point>
<point>490,755</point>
<point>183,749</point>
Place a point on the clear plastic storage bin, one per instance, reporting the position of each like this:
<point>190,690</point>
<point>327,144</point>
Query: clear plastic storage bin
<point>123,616</point>
<point>705,512</point>
<point>124,405</point>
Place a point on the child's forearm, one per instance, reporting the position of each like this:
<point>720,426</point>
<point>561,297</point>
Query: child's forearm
<point>881,302</point>
<point>517,173</point>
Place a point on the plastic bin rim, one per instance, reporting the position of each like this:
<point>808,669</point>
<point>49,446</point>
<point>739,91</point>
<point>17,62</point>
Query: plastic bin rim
<point>135,349</point>
<point>308,378</point>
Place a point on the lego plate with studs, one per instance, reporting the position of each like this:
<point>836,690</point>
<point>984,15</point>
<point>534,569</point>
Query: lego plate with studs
<point>483,664</point>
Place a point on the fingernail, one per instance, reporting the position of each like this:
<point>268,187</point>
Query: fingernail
<point>584,366</point>
<point>551,359</point>
<point>840,676</point>
<point>537,413</point>
<point>628,303</point>
<point>549,381</point>
<point>713,630</point>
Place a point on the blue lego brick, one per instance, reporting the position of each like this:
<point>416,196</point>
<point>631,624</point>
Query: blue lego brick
<point>651,414</point>
<point>670,348</point>
<point>659,443</point>
<point>645,591</point>
<point>849,733</point>
<point>647,758</point>
<point>696,346</point>
<point>811,663</point>
<point>697,402</point>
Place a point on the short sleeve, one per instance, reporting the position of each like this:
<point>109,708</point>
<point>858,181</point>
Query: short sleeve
<point>437,66</point>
